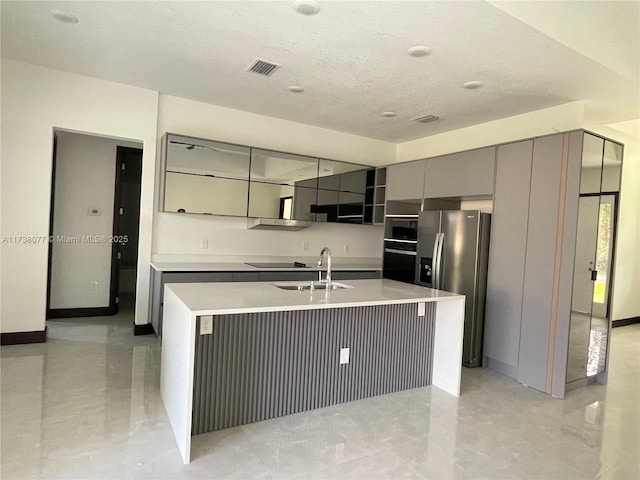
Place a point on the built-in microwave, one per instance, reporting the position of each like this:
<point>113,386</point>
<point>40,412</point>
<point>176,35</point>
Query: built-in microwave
<point>400,247</point>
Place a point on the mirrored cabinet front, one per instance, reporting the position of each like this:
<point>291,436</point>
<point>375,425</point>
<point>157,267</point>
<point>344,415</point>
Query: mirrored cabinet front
<point>600,175</point>
<point>209,177</point>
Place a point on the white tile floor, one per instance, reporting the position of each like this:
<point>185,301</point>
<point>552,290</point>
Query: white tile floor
<point>86,405</point>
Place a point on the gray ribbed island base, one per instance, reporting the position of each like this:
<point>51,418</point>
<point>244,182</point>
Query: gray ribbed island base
<point>237,353</point>
<point>257,366</point>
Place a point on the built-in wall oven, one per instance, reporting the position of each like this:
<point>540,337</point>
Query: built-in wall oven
<point>400,252</point>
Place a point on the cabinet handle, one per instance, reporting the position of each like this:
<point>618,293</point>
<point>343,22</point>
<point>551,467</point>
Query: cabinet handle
<point>400,252</point>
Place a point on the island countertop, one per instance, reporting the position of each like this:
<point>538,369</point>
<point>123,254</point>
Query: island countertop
<point>251,297</point>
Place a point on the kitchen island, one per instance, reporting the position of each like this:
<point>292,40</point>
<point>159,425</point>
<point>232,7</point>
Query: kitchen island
<point>236,353</point>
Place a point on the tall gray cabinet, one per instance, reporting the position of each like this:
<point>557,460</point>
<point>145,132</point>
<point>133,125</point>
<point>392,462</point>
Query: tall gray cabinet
<point>505,281</point>
<point>531,266</point>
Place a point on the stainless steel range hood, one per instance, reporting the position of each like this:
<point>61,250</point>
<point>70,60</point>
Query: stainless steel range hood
<point>277,224</point>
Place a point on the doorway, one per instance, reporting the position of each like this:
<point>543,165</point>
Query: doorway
<point>126,223</point>
<point>94,224</point>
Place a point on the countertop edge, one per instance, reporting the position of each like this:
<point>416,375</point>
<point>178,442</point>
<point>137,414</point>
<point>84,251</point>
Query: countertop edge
<point>290,308</point>
<point>251,297</point>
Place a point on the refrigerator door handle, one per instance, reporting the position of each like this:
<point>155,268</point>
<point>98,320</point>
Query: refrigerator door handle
<point>434,265</point>
<point>439,257</point>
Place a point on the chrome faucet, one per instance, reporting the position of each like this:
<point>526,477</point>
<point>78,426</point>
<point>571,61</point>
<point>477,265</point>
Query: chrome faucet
<point>328,252</point>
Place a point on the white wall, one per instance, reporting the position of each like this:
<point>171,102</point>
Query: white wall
<point>35,100</point>
<point>182,234</point>
<point>85,179</point>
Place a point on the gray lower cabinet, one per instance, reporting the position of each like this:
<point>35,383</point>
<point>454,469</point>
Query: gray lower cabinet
<point>355,275</point>
<point>463,174</point>
<point>245,277</point>
<point>159,279</point>
<point>306,275</point>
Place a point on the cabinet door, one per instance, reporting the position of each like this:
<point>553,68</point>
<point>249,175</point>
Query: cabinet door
<point>203,176</point>
<point>354,182</point>
<point>304,201</point>
<point>306,275</point>
<point>460,174</point>
<point>505,279</point>
<point>548,278</point>
<point>356,275</point>
<point>245,277</point>
<point>405,181</point>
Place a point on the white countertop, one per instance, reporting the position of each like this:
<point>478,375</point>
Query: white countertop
<point>239,266</point>
<point>250,297</point>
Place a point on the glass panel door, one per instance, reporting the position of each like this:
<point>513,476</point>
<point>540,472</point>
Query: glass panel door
<point>599,329</point>
<point>583,287</point>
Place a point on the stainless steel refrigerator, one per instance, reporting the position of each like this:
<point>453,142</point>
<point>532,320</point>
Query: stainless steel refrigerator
<point>453,252</point>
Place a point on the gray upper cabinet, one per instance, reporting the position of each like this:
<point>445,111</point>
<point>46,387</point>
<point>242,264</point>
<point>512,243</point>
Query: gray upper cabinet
<point>461,174</point>
<point>405,181</point>
<point>305,199</point>
<point>276,179</point>
<point>354,182</point>
<point>341,192</point>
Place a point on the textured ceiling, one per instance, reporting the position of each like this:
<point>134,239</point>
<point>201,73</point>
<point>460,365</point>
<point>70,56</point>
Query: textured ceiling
<point>350,58</point>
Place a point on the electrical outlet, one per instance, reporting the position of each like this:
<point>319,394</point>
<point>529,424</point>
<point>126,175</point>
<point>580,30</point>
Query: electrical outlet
<point>344,356</point>
<point>421,309</point>
<point>206,324</point>
<point>305,246</point>
<point>204,243</point>
<point>346,248</point>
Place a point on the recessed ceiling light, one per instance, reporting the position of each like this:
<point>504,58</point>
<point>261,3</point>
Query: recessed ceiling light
<point>64,17</point>
<point>295,89</point>
<point>389,114</point>
<point>419,51</point>
<point>472,85</point>
<point>306,7</point>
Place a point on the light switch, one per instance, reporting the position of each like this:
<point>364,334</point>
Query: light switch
<point>206,324</point>
<point>344,356</point>
<point>421,309</point>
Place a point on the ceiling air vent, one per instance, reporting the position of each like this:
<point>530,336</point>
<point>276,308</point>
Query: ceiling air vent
<point>262,67</point>
<point>426,119</point>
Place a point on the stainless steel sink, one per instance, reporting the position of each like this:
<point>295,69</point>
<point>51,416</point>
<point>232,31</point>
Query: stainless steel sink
<point>305,287</point>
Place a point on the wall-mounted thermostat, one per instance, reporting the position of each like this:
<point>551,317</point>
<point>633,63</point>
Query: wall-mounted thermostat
<point>94,211</point>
